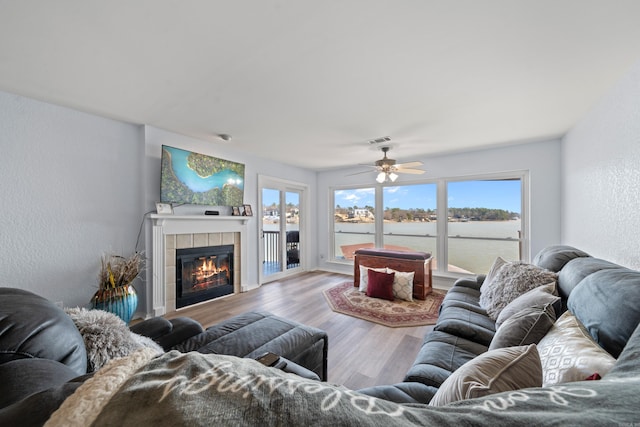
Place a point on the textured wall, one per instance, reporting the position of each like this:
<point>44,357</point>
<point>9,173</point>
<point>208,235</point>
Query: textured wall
<point>70,190</point>
<point>601,177</point>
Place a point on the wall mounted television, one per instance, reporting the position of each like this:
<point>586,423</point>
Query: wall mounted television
<point>199,179</point>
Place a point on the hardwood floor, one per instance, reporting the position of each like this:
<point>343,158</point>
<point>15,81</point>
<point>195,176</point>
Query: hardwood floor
<point>361,353</point>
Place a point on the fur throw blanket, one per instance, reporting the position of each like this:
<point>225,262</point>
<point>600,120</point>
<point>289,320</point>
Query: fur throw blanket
<point>106,336</point>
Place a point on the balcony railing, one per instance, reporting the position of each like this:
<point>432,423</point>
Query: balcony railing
<point>272,253</point>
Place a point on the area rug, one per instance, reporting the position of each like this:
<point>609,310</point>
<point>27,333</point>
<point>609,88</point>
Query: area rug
<point>347,299</point>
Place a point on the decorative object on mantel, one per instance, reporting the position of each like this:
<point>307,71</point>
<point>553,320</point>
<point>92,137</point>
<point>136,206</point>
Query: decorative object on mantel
<point>235,211</point>
<point>347,299</point>
<point>247,210</point>
<point>164,208</point>
<point>116,293</point>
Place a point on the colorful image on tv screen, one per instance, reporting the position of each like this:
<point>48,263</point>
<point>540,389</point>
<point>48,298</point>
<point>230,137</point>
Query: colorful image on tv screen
<point>193,178</point>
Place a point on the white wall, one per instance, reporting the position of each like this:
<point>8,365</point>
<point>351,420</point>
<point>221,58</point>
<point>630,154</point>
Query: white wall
<point>541,159</point>
<point>254,166</point>
<point>70,191</point>
<point>601,177</point>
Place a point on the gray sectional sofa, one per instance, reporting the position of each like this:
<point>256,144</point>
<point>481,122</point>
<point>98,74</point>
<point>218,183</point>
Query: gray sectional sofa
<point>604,296</point>
<point>43,365</point>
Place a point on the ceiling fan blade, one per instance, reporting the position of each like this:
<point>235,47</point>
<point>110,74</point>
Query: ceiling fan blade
<point>411,171</point>
<point>409,165</point>
<point>358,173</point>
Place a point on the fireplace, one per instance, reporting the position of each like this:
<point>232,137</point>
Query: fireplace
<point>203,273</point>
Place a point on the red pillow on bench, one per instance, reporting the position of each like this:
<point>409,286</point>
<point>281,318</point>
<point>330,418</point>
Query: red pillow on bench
<point>380,285</point>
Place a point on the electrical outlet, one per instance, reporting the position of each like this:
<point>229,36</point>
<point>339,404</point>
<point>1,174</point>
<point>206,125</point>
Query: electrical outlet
<point>60,304</point>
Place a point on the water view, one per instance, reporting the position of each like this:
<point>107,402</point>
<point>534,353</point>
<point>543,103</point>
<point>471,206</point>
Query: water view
<point>468,248</point>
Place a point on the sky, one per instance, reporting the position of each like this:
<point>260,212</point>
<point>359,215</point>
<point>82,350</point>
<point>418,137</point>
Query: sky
<point>486,194</point>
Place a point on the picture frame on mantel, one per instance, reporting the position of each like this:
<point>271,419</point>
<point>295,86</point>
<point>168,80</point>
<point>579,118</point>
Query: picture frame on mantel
<point>235,210</point>
<point>247,210</point>
<point>164,208</point>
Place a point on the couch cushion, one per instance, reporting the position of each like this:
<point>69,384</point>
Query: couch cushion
<point>576,270</point>
<point>528,326</point>
<point>439,356</point>
<point>616,315</point>
<point>568,353</point>
<point>466,323</point>
<point>254,333</point>
<point>554,257</point>
<point>408,392</point>
<point>23,377</point>
<point>34,327</point>
<point>495,371</point>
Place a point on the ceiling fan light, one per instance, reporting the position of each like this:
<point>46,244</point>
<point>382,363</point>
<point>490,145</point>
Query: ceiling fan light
<point>393,177</point>
<point>381,177</point>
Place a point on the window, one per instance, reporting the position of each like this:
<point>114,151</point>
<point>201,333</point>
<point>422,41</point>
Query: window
<point>353,221</point>
<point>409,218</point>
<point>464,224</point>
<point>483,222</point>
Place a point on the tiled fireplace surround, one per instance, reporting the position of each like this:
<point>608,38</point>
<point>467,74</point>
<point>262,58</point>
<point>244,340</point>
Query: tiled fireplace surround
<point>172,232</point>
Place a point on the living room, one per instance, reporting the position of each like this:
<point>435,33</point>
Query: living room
<point>78,185</point>
<point>561,106</point>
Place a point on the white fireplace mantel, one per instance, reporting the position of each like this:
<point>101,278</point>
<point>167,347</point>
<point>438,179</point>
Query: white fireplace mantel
<point>164,225</point>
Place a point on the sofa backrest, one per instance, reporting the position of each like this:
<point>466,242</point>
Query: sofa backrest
<point>34,327</point>
<point>604,296</point>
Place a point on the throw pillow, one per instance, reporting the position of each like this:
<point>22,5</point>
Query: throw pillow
<point>546,294</point>
<point>528,326</point>
<point>402,284</point>
<point>495,371</point>
<point>364,277</point>
<point>497,265</point>
<point>380,285</point>
<point>512,280</point>
<point>106,336</point>
<point>568,353</point>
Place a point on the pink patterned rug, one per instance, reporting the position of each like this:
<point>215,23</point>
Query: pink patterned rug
<point>346,299</point>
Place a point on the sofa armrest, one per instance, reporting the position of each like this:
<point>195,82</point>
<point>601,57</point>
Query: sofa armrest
<point>471,282</point>
<point>301,371</point>
<point>153,328</point>
<point>168,333</point>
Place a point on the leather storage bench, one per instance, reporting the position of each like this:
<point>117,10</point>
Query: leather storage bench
<point>418,262</point>
<point>253,333</point>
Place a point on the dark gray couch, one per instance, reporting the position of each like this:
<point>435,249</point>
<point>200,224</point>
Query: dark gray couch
<point>604,296</point>
<point>43,357</point>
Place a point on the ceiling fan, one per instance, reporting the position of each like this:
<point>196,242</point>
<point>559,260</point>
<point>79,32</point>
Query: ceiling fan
<point>388,169</point>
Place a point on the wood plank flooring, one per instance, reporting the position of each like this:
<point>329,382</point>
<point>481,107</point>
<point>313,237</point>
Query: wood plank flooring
<point>361,353</point>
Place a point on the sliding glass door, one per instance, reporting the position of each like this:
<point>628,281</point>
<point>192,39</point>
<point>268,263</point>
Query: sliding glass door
<point>282,246</point>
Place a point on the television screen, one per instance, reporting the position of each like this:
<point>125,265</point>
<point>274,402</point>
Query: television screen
<point>192,178</point>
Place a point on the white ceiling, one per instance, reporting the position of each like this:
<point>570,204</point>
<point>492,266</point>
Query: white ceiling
<point>308,82</point>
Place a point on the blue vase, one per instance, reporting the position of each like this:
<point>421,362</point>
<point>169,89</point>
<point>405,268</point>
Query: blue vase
<point>121,301</point>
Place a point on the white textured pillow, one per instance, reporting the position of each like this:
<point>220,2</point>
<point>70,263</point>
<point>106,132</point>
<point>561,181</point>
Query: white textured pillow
<point>402,284</point>
<point>568,353</point>
<point>497,265</point>
<point>364,276</point>
<point>495,371</point>
<point>512,280</point>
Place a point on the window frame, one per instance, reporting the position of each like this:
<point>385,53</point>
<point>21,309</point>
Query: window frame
<point>442,209</point>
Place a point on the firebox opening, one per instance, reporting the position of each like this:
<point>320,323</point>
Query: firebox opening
<point>203,274</point>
